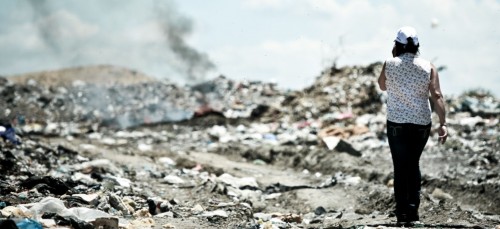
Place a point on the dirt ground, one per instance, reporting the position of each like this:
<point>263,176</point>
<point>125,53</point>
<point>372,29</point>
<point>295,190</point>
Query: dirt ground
<point>367,201</point>
<point>270,169</point>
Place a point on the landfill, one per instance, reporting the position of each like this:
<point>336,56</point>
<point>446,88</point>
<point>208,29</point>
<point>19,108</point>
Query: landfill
<point>233,154</point>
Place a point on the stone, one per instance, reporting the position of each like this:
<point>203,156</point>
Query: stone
<point>238,182</point>
<point>84,178</point>
<point>89,198</point>
<point>143,213</point>
<point>108,223</point>
<point>141,223</point>
<point>116,202</point>
<point>172,179</point>
<point>262,216</point>
<point>168,226</point>
<point>166,161</point>
<point>441,195</point>
<point>220,213</point>
<point>197,209</point>
<point>144,147</point>
<point>165,215</point>
<point>124,182</point>
<point>291,218</point>
<point>319,210</point>
<point>390,183</point>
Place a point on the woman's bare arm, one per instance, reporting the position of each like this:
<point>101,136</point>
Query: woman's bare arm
<point>381,79</point>
<point>438,100</point>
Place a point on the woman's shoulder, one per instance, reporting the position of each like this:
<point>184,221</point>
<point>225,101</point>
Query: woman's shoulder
<point>423,62</point>
<point>419,58</point>
<point>392,60</point>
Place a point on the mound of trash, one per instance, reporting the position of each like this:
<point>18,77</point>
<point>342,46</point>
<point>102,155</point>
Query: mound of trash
<point>228,153</point>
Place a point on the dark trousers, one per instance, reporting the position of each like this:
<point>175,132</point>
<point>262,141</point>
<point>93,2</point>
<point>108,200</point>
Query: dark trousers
<point>407,141</point>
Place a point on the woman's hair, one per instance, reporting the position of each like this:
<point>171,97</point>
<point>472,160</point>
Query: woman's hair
<point>404,48</point>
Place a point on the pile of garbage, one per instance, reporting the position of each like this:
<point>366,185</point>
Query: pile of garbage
<point>131,156</point>
<point>338,93</point>
<point>124,106</point>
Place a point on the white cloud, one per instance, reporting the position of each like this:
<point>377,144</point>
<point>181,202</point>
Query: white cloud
<point>293,63</point>
<point>24,37</point>
<point>52,41</point>
<point>64,25</point>
<point>148,32</point>
<point>290,41</point>
<point>61,29</point>
<point>458,42</point>
<point>263,3</point>
<point>367,30</point>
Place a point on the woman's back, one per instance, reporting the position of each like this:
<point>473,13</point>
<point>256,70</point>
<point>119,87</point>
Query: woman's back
<point>408,79</point>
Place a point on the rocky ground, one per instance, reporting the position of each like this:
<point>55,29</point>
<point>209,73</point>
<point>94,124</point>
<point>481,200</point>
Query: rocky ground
<point>227,154</point>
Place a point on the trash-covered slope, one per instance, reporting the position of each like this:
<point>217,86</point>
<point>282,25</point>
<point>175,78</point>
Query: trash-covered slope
<point>229,154</point>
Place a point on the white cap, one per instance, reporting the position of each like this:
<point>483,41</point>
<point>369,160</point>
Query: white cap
<point>404,33</point>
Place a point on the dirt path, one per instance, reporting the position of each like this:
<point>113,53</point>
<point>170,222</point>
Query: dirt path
<point>359,197</point>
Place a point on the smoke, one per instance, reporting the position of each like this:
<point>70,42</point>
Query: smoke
<point>47,29</point>
<point>176,28</point>
<point>71,41</point>
<point>64,35</point>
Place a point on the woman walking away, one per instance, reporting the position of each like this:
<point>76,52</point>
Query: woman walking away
<point>408,80</point>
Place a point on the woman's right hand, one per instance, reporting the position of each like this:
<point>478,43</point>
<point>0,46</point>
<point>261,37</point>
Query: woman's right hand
<point>443,134</point>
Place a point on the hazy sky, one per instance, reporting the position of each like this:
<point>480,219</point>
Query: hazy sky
<point>286,41</point>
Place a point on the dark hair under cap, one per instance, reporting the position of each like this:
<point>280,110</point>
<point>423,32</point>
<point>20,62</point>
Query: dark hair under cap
<point>404,48</point>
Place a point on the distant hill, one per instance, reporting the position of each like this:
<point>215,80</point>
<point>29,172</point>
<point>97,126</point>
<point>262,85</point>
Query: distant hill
<point>99,74</point>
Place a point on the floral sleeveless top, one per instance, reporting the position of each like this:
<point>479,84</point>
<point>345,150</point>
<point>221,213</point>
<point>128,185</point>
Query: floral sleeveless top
<point>408,79</point>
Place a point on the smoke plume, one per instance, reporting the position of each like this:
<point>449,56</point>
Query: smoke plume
<point>72,41</point>
<point>176,28</point>
<point>47,29</point>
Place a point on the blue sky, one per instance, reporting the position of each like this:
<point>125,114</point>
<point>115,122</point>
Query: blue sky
<point>285,41</point>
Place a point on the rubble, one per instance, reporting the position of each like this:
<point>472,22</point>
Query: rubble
<point>82,155</point>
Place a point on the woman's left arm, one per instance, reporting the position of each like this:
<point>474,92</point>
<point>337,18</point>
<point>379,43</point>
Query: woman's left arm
<point>381,79</point>
<point>438,100</point>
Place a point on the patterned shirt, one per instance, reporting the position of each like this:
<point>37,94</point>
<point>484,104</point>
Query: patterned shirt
<point>407,83</point>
